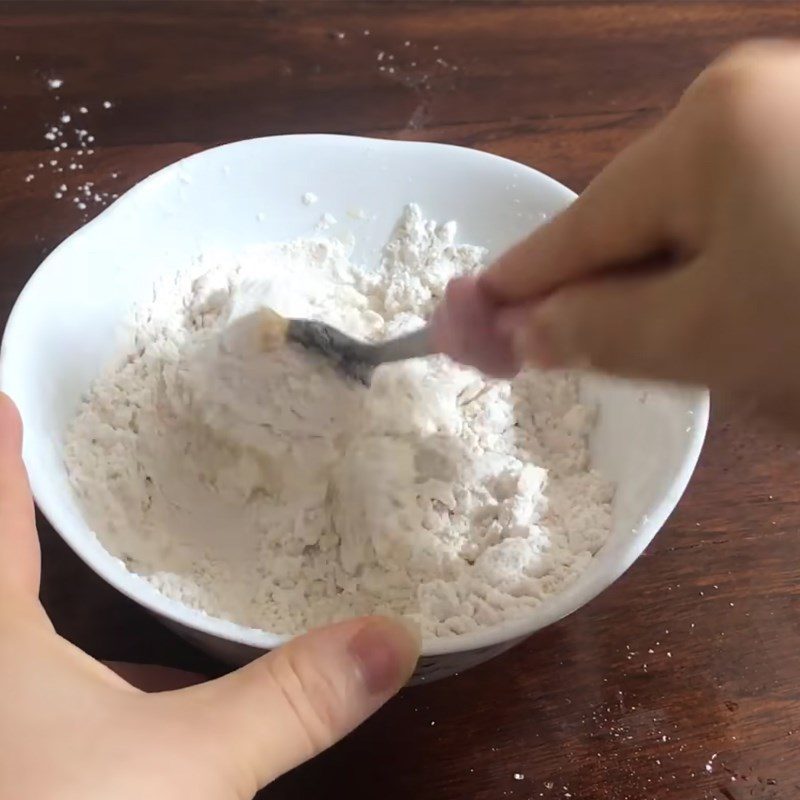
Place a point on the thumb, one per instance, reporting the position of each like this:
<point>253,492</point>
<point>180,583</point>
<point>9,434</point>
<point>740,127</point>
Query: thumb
<point>19,545</point>
<point>648,325</point>
<point>298,700</point>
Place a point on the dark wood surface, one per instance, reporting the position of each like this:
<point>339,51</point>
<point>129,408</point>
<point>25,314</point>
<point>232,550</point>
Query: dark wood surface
<point>683,679</point>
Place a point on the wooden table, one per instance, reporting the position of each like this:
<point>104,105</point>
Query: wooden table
<point>683,679</point>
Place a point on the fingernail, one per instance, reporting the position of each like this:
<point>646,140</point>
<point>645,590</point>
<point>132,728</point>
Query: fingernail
<point>385,651</point>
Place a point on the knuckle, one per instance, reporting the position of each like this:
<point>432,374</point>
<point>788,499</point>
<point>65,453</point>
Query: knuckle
<point>741,79</point>
<point>717,96</point>
<point>753,51</point>
<point>733,115</point>
<point>311,698</point>
<point>761,51</point>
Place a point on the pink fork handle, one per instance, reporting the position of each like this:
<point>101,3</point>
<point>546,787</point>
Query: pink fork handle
<point>464,327</point>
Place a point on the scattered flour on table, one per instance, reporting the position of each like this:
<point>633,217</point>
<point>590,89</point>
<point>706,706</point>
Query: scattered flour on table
<point>265,489</point>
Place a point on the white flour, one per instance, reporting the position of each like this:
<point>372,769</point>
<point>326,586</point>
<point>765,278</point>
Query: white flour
<point>265,489</point>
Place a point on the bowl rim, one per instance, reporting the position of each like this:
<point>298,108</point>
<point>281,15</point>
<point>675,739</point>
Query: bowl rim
<point>551,611</point>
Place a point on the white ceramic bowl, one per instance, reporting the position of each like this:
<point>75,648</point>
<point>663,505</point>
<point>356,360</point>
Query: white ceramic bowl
<point>66,326</point>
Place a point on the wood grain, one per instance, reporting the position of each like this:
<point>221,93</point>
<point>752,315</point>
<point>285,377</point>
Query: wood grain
<point>696,651</point>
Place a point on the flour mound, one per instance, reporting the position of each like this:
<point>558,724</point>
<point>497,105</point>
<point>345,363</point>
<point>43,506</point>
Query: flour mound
<point>262,488</point>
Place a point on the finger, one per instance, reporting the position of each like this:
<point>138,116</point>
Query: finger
<point>19,544</point>
<point>648,325</point>
<point>619,219</point>
<point>154,678</point>
<point>295,702</point>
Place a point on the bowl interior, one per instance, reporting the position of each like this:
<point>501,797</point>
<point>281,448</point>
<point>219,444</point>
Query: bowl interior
<point>67,324</point>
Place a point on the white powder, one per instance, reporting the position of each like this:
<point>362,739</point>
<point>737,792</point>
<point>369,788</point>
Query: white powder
<point>71,146</point>
<point>265,489</point>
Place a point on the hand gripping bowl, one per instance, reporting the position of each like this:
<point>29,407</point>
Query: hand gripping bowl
<point>66,325</point>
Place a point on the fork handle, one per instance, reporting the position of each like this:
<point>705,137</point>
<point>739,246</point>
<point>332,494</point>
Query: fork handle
<point>410,345</point>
